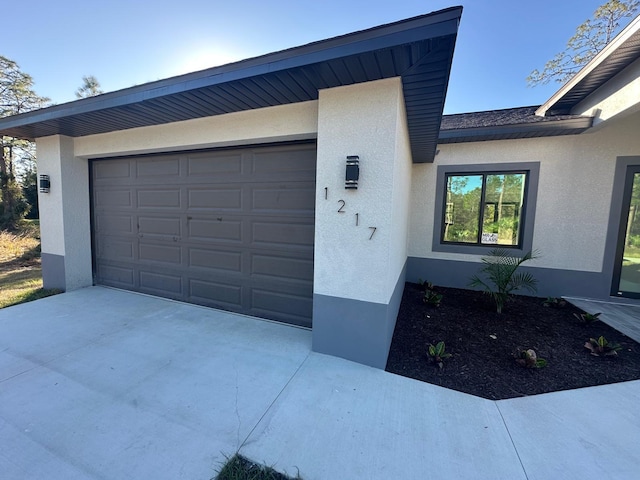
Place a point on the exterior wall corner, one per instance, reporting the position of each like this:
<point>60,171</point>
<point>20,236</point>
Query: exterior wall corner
<point>360,235</point>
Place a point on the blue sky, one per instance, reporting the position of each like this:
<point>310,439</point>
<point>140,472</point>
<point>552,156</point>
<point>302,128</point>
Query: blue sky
<point>129,42</point>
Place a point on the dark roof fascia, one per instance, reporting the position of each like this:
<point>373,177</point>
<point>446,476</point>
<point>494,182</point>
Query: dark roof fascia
<point>623,50</point>
<point>572,126</point>
<point>441,23</point>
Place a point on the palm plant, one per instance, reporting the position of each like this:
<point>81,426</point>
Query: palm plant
<point>500,277</point>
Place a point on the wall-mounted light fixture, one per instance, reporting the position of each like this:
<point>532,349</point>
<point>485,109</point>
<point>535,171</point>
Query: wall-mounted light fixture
<point>45,183</point>
<point>352,172</point>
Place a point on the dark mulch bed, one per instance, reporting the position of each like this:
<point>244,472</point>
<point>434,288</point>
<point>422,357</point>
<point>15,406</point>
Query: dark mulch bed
<point>484,366</point>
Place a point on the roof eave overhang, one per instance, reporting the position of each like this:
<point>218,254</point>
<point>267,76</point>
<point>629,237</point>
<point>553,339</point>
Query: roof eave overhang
<point>420,50</point>
<point>571,126</point>
<point>616,55</point>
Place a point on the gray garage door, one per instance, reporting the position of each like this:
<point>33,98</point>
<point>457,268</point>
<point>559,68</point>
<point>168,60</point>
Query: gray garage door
<point>232,229</point>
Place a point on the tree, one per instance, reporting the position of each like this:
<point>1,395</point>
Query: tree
<point>590,38</point>
<point>16,96</point>
<point>90,87</point>
<point>30,193</point>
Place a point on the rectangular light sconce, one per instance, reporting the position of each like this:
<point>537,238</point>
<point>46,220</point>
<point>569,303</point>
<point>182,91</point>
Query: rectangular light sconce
<point>352,172</point>
<point>45,183</point>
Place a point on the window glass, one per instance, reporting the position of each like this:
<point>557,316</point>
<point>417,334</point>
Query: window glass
<point>484,209</point>
<point>464,193</point>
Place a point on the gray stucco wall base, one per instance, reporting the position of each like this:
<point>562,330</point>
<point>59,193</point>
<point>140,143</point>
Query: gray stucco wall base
<point>356,330</point>
<point>551,282</point>
<point>53,273</point>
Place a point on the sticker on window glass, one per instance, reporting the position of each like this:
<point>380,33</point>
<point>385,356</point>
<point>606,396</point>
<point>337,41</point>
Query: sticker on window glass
<point>490,238</point>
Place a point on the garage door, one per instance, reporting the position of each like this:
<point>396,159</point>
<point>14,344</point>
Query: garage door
<point>231,229</point>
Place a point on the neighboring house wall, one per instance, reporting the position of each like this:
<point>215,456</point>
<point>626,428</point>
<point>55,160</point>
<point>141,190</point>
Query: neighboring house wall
<point>359,279</point>
<point>575,228</point>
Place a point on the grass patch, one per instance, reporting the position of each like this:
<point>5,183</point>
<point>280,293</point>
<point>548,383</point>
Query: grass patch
<point>20,270</point>
<point>27,295</point>
<point>18,246</point>
<point>241,468</point>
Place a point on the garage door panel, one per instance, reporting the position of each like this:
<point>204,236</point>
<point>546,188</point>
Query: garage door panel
<point>162,198</point>
<point>280,266</point>
<point>216,229</point>
<point>164,284</point>
<point>160,253</point>
<point>214,164</point>
<point>116,276</point>
<point>157,167</point>
<point>215,259</point>
<point>115,249</point>
<point>159,226</point>
<point>224,199</point>
<point>231,229</point>
<point>275,163</point>
<point>282,199</point>
<point>113,224</point>
<point>281,234</point>
<point>112,170</point>
<point>214,293</point>
<point>106,198</point>
<point>268,303</point>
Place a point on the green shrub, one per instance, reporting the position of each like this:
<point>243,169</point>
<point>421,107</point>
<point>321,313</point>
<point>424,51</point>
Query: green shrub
<point>432,298</point>
<point>588,318</point>
<point>600,347</point>
<point>501,279</point>
<point>554,302</point>
<point>438,354</point>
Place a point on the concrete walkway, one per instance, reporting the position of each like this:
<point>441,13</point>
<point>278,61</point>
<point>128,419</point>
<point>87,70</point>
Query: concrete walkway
<point>106,384</point>
<point>624,317</point>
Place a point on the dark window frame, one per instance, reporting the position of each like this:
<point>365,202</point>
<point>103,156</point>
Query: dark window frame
<point>627,192</point>
<point>527,218</point>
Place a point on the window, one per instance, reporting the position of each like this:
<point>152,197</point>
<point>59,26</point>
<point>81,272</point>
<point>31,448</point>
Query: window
<point>485,206</point>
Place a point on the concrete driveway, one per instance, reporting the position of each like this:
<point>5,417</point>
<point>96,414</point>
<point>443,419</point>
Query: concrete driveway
<point>105,384</point>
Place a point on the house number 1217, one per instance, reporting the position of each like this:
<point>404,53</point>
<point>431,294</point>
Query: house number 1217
<point>341,209</point>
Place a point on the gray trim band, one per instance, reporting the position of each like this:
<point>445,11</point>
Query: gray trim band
<point>551,282</point>
<point>356,330</point>
<point>53,272</point>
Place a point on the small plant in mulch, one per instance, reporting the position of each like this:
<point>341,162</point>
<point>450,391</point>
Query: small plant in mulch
<point>430,297</point>
<point>600,347</point>
<point>437,353</point>
<point>528,358</point>
<point>587,318</point>
<point>555,302</point>
<point>501,277</point>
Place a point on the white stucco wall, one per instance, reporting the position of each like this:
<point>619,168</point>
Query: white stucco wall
<point>295,121</point>
<point>365,120</point>
<point>400,208</point>
<point>64,212</point>
<point>618,97</point>
<point>50,151</point>
<point>574,194</point>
